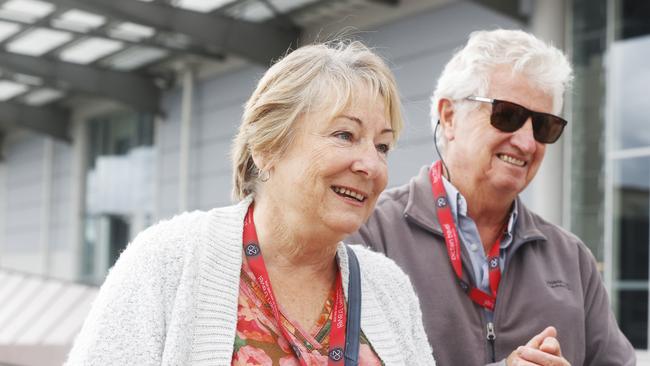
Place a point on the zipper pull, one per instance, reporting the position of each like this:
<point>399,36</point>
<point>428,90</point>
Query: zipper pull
<point>491,335</point>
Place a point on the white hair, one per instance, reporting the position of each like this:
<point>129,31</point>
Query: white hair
<point>468,71</point>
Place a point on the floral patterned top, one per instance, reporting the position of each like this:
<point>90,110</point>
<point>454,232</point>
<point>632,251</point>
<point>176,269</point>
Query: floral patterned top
<point>259,341</point>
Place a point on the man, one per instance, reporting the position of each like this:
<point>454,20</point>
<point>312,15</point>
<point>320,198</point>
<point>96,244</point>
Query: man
<point>498,284</point>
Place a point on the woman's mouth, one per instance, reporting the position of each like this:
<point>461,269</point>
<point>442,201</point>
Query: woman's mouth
<point>348,193</point>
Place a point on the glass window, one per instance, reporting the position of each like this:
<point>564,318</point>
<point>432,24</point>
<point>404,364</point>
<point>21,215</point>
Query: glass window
<point>119,187</point>
<point>631,229</point>
<point>587,123</point>
<point>611,130</point>
<point>629,77</point>
<point>628,74</point>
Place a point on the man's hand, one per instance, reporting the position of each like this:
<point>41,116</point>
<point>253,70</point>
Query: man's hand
<point>542,350</point>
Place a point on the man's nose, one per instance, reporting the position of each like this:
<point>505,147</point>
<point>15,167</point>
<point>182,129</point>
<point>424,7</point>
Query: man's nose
<point>524,137</point>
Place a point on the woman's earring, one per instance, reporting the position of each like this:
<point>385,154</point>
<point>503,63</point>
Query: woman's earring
<point>264,175</point>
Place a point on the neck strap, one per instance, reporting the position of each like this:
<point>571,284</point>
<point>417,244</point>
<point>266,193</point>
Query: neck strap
<point>345,327</point>
<point>452,241</point>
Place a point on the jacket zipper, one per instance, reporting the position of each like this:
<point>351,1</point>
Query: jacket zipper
<point>491,336</point>
<point>490,332</point>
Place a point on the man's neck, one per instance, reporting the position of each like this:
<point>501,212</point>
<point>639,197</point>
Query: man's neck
<point>489,210</point>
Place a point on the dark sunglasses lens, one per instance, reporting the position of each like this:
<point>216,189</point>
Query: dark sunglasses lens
<point>547,129</point>
<point>508,117</point>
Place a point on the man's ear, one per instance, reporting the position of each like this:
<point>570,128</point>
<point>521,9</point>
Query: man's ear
<point>446,114</point>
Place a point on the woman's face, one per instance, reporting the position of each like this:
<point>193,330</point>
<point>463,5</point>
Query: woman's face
<point>330,176</point>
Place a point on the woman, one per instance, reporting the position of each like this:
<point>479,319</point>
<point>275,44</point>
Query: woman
<point>265,282</point>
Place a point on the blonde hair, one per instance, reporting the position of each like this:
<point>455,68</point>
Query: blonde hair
<point>323,76</point>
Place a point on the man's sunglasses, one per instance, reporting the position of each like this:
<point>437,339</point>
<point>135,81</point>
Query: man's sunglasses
<point>509,117</point>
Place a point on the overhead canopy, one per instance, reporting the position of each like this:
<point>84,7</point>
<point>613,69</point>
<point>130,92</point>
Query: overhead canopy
<point>56,49</point>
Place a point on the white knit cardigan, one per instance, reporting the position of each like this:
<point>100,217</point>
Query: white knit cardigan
<point>171,299</point>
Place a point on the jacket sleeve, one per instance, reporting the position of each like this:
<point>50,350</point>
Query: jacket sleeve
<point>126,324</point>
<point>605,343</point>
<point>362,236</point>
<point>370,235</point>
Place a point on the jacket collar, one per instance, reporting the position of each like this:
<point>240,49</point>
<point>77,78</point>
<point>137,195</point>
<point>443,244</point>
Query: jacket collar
<point>420,209</point>
<point>420,206</point>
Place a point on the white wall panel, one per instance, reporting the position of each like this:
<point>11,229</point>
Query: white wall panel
<point>168,165</point>
<point>216,116</point>
<point>212,157</point>
<point>25,204</point>
<point>212,191</point>
<point>416,122</point>
<point>24,198</point>
<point>167,200</point>
<point>227,118</point>
<point>3,207</point>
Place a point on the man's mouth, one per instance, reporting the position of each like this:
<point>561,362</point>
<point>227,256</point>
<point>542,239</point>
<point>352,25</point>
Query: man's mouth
<point>348,193</point>
<point>511,160</point>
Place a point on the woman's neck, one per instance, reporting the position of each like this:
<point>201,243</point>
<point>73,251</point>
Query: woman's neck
<point>292,246</point>
<point>302,266</point>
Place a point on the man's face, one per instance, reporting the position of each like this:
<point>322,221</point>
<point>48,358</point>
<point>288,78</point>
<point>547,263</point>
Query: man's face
<point>490,160</point>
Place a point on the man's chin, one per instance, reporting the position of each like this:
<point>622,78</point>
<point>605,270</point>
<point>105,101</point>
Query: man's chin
<point>511,187</point>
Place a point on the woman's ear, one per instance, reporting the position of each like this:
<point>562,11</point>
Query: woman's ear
<point>446,114</point>
<point>261,161</point>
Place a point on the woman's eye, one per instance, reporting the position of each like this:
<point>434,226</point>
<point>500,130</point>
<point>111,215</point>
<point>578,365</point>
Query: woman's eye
<point>343,135</point>
<point>383,148</point>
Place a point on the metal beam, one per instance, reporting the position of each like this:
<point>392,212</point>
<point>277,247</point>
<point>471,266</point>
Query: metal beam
<point>254,41</point>
<point>258,42</point>
<point>128,88</point>
<point>103,32</point>
<point>50,121</point>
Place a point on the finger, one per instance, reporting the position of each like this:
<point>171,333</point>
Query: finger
<point>542,358</point>
<point>521,362</point>
<point>551,345</point>
<point>515,360</point>
<point>537,340</point>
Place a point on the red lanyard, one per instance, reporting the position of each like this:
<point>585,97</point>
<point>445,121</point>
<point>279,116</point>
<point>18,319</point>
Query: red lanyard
<point>257,266</point>
<point>453,244</point>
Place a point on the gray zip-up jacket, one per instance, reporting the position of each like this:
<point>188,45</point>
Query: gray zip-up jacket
<point>550,278</point>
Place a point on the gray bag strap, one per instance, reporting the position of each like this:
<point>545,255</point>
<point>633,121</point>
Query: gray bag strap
<point>353,325</point>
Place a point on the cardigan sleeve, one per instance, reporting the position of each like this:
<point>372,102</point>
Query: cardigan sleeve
<point>393,312</point>
<point>128,319</point>
<point>424,353</point>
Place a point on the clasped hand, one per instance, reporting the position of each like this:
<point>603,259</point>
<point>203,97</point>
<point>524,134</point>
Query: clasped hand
<point>542,350</point>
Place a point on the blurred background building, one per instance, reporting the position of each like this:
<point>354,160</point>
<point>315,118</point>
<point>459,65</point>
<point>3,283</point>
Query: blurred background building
<point>115,114</point>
